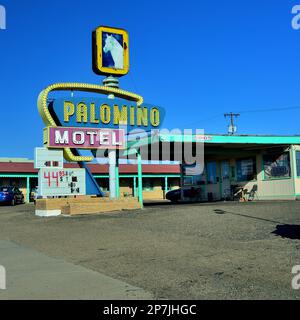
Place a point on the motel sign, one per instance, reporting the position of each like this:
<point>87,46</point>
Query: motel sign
<point>102,118</point>
<point>85,138</point>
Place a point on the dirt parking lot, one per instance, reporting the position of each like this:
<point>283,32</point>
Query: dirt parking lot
<point>191,251</point>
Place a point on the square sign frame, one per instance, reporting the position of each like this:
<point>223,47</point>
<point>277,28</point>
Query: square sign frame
<point>45,158</point>
<point>61,182</point>
<point>101,50</point>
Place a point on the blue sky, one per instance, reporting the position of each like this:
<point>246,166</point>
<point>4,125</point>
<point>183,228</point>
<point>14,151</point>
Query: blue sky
<point>197,59</point>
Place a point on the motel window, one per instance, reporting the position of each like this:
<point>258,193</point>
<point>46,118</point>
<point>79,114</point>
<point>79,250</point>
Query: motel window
<point>193,175</point>
<point>196,180</point>
<point>246,169</point>
<point>298,162</point>
<point>199,179</point>
<point>225,170</point>
<point>211,172</point>
<point>188,180</point>
<point>174,183</point>
<point>148,184</point>
<point>103,184</point>
<point>277,166</point>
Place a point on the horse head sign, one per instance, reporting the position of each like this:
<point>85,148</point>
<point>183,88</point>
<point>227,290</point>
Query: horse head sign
<point>110,51</point>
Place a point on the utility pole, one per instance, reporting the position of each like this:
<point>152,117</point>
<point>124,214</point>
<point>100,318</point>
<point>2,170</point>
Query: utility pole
<point>231,128</point>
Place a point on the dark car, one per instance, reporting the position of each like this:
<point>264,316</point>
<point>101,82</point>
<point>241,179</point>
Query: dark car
<point>191,193</point>
<point>11,195</point>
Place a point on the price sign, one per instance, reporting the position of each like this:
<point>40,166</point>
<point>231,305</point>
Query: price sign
<point>61,182</point>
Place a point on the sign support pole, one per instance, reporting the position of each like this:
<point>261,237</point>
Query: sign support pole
<point>112,173</point>
<point>112,154</point>
<point>117,177</point>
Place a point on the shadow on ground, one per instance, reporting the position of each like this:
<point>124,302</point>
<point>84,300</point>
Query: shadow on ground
<point>153,203</point>
<point>290,231</point>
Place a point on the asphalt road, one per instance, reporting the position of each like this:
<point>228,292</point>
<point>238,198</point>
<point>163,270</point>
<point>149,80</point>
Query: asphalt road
<point>191,251</point>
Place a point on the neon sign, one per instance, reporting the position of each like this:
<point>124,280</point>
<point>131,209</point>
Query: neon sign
<point>84,138</point>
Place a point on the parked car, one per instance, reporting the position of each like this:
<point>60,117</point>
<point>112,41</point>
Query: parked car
<point>191,193</point>
<point>11,195</point>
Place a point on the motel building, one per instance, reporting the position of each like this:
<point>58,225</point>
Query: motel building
<point>263,167</point>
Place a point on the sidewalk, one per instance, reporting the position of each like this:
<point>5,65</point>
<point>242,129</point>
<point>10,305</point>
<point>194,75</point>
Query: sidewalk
<point>33,275</point>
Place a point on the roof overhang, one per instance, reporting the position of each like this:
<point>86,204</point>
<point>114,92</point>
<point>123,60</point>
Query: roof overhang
<point>231,139</point>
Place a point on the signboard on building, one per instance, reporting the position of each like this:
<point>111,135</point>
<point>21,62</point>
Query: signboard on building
<point>110,51</point>
<point>44,158</point>
<point>62,182</point>
<point>202,137</point>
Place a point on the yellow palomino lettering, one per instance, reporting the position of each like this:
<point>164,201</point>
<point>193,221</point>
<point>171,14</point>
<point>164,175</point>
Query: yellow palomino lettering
<point>132,115</point>
<point>81,113</point>
<point>116,115</point>
<point>93,118</point>
<point>69,110</point>
<point>154,117</point>
<point>120,117</point>
<point>105,113</point>
<point>142,116</point>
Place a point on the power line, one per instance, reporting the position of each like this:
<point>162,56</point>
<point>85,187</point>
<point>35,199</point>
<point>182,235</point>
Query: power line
<point>269,109</point>
<point>206,119</point>
<point>245,111</point>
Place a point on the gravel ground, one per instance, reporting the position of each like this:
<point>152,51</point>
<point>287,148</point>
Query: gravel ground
<point>191,251</point>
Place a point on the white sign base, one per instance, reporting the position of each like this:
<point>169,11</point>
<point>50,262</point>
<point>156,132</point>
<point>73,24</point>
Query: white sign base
<point>47,213</point>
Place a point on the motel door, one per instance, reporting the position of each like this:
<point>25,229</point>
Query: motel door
<point>225,180</point>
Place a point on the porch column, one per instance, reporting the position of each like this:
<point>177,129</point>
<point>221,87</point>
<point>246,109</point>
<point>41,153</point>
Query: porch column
<point>140,178</point>
<point>219,173</point>
<point>166,184</point>
<point>117,179</point>
<point>294,168</point>
<point>112,173</point>
<point>27,189</point>
<point>134,186</point>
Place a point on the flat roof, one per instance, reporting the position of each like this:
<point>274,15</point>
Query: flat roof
<point>15,160</point>
<point>231,139</point>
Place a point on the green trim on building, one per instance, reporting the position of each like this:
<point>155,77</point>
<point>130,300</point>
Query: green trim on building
<point>145,175</point>
<point>211,138</point>
<point>18,176</point>
<point>97,176</point>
